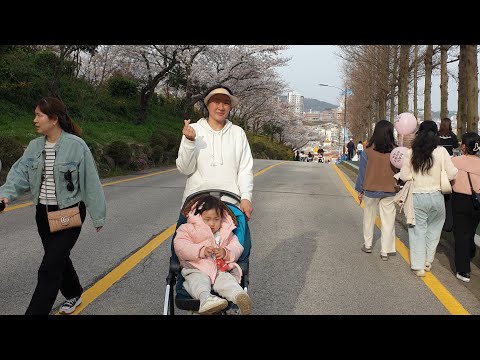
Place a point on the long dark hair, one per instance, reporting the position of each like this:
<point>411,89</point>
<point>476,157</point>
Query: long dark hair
<point>471,140</point>
<point>383,137</point>
<point>445,126</point>
<point>54,107</point>
<point>423,145</point>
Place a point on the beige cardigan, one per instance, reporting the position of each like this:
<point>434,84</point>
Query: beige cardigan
<point>429,181</point>
<point>404,198</point>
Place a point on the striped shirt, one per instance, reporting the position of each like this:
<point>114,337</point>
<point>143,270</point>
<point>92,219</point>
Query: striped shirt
<point>47,190</point>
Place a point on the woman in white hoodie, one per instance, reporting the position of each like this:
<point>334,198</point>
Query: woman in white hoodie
<point>215,154</point>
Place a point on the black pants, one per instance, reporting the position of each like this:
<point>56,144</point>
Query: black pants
<point>56,271</point>
<point>350,154</point>
<point>465,222</point>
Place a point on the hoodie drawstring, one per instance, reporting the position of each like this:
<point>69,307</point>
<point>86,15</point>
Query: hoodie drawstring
<point>213,149</point>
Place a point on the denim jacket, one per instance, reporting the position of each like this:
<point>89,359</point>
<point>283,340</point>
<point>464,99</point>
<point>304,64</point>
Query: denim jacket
<point>71,154</point>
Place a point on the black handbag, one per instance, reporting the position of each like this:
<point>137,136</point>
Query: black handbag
<point>475,196</point>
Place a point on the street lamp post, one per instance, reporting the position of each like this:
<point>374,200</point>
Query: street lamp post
<point>344,111</point>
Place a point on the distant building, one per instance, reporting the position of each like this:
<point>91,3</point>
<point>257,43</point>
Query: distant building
<point>296,100</point>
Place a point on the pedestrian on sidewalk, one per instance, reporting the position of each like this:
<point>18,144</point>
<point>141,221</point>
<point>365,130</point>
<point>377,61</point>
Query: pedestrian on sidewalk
<point>375,185</point>
<point>466,216</point>
<point>422,164</point>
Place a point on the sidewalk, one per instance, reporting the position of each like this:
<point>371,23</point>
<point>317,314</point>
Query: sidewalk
<point>446,248</point>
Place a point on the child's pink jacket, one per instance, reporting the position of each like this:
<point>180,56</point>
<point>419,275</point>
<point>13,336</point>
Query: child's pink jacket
<point>192,238</point>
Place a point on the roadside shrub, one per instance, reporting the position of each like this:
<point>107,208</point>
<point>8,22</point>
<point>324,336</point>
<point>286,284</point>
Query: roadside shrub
<point>158,139</point>
<point>120,152</point>
<point>10,151</point>
<point>157,154</point>
<point>120,86</point>
<point>258,147</point>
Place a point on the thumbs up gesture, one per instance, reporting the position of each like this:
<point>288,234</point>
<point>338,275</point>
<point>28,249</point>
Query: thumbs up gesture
<point>188,131</point>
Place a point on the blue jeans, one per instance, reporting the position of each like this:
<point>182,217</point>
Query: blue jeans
<point>425,235</point>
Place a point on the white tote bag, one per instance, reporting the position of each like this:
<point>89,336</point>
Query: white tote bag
<point>445,185</point>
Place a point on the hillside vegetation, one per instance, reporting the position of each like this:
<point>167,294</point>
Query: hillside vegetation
<point>107,115</point>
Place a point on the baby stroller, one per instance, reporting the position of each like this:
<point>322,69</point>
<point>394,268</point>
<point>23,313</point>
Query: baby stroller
<point>182,298</point>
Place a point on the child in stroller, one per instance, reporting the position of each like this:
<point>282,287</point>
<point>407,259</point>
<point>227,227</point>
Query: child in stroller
<point>204,250</point>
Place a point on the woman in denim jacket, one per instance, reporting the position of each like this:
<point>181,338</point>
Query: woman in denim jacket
<point>59,170</point>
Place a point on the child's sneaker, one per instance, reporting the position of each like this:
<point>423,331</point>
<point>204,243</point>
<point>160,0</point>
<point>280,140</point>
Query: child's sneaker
<point>244,303</point>
<point>70,305</point>
<point>212,304</point>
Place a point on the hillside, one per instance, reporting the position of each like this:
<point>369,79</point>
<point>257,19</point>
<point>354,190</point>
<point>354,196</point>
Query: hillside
<point>108,115</point>
<point>313,104</point>
<point>316,105</point>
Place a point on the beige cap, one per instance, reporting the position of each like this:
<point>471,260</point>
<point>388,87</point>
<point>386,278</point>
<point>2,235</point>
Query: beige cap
<point>234,100</point>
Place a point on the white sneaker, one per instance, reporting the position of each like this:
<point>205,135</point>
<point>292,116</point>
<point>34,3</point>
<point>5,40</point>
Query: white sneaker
<point>244,303</point>
<point>419,273</point>
<point>428,266</point>
<point>212,304</point>
<point>70,305</point>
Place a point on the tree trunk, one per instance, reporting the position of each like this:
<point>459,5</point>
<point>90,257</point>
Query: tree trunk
<point>472,89</point>
<point>443,82</point>
<point>462,92</point>
<point>427,107</point>
<point>148,90</point>
<point>145,97</point>
<point>382,96</point>
<point>415,79</point>
<point>403,79</point>
<point>393,83</point>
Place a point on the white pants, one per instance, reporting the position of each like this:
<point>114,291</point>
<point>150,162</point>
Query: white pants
<point>197,282</point>
<point>387,211</point>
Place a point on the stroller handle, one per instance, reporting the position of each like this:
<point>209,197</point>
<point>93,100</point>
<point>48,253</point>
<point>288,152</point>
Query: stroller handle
<point>215,192</point>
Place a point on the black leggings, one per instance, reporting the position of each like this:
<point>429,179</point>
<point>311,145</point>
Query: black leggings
<point>56,271</point>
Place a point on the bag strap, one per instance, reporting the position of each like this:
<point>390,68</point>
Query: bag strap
<point>443,161</point>
<point>470,181</point>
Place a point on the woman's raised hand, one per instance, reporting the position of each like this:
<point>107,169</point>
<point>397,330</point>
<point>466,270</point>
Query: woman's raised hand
<point>188,131</point>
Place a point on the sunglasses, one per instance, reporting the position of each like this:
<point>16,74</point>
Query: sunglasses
<point>68,177</point>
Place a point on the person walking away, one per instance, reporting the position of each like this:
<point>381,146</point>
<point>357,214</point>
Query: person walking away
<point>350,149</point>
<point>59,170</point>
<point>422,164</point>
<point>359,149</point>
<point>375,185</point>
<point>446,136</point>
<point>466,216</point>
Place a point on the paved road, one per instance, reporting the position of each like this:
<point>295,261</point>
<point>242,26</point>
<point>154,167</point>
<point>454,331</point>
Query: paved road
<point>306,258</point>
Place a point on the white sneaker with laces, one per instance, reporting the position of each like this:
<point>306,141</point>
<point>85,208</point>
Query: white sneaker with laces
<point>212,304</point>
<point>70,305</point>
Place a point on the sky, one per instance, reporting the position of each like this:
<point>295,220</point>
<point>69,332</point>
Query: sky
<point>311,65</point>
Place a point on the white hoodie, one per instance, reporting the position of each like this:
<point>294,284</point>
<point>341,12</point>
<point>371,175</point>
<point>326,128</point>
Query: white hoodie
<point>216,160</point>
